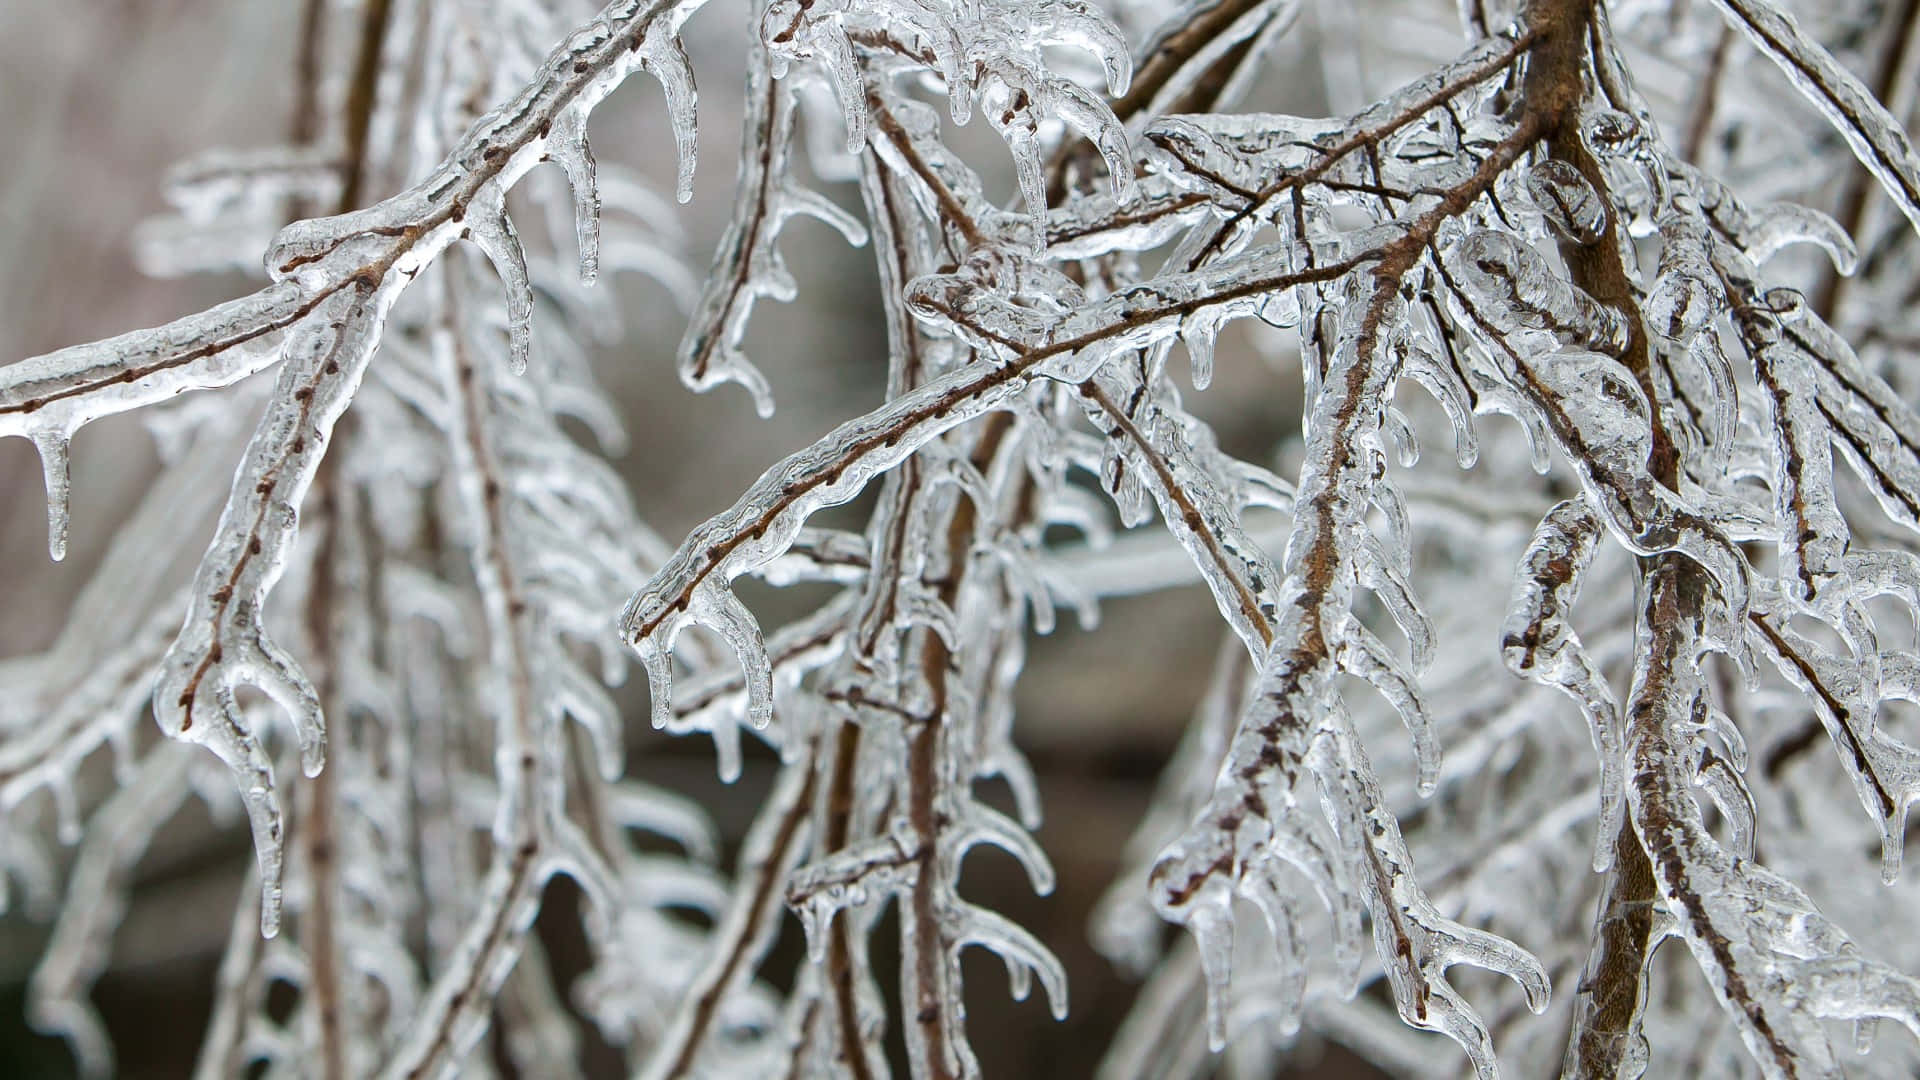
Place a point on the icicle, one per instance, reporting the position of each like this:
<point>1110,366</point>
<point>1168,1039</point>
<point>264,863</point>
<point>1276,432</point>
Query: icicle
<point>1198,333</point>
<point>593,708</point>
<point>666,60</point>
<point>665,814</point>
<point>1020,128</point>
<point>718,608</point>
<point>489,227</point>
<point>795,199</point>
<point>1395,549</point>
<point>1082,25</point>
<point>982,824</point>
<point>919,605</point>
<point>726,749</point>
<point>1363,656</point>
<point>1399,430</point>
<point>254,775</point>
<point>1723,728</point>
<point>1388,582</point>
<point>836,53</point>
<point>1722,399</point>
<point>271,670</point>
<point>53,467</point>
<point>1211,924</point>
<point>1019,948</point>
<point>66,810</point>
<point>1439,380</point>
<point>1538,642</point>
<point>656,656</point>
<point>568,146</point>
<point>1731,797</point>
<point>1772,228</point>
<point>1282,915</point>
<point>1499,399</point>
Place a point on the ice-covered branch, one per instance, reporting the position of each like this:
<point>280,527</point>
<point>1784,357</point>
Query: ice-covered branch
<point>1069,413</point>
<point>1876,137</point>
<point>1777,965</point>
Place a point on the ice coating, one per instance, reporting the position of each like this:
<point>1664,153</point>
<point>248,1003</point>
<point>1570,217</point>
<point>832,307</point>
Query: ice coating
<point>1528,223</point>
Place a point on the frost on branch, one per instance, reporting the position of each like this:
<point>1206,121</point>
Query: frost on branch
<point>1628,664</point>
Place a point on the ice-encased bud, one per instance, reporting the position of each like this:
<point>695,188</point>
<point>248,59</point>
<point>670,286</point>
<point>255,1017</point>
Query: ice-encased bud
<point>1521,292</point>
<point>1611,133</point>
<point>1568,202</point>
